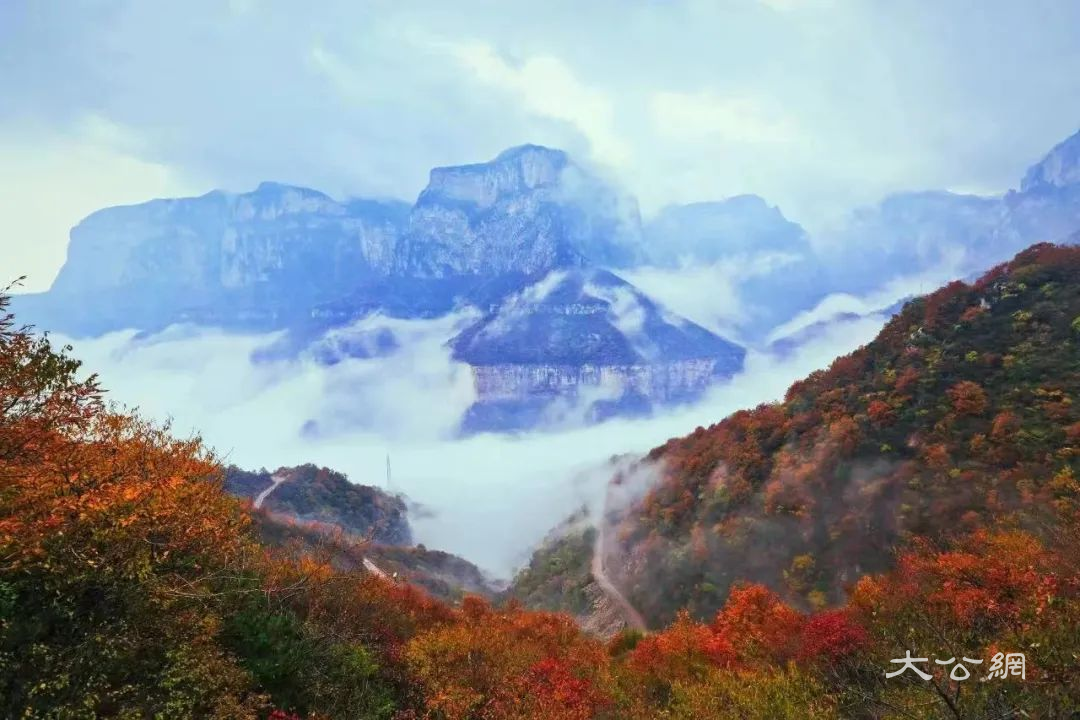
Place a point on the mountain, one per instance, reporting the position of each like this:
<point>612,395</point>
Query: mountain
<point>281,256</point>
<point>752,244</point>
<point>585,341</point>
<point>165,596</point>
<point>530,210</point>
<point>356,526</point>
<point>1059,169</point>
<point>709,231</point>
<point>313,495</point>
<point>956,234</point>
<point>960,415</point>
<point>257,259</point>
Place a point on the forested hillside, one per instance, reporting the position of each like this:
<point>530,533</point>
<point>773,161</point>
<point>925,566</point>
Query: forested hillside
<point>133,585</point>
<point>961,415</point>
<point>312,494</point>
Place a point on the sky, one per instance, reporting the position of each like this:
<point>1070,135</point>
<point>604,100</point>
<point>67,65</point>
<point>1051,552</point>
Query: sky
<point>817,105</point>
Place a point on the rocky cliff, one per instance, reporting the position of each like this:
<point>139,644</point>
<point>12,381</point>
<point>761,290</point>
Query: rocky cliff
<point>529,210</point>
<point>586,343</point>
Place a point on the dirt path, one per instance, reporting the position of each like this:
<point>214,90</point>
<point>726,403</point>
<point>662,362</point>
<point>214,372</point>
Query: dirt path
<point>375,569</point>
<point>274,482</point>
<point>277,480</point>
<point>630,614</point>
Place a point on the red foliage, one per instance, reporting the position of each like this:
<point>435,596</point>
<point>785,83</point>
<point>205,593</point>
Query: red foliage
<point>831,636</point>
<point>906,379</point>
<point>968,398</point>
<point>1004,426</point>
<point>880,412</point>
<point>757,623</point>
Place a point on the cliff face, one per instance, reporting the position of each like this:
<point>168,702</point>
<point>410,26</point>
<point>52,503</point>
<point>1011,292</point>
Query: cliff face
<point>283,256</point>
<point>276,239</point>
<point>661,382</point>
<point>529,210</point>
<point>585,342</point>
<point>1060,167</point>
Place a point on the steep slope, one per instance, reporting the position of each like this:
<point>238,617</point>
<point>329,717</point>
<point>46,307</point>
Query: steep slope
<point>585,341</point>
<point>960,413</point>
<point>529,210</point>
<point>257,259</point>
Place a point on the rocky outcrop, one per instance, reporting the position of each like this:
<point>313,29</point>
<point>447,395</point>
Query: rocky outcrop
<point>529,210</point>
<point>282,256</point>
<point>1060,167</point>
<point>585,345</point>
<point>675,381</point>
<point>275,239</point>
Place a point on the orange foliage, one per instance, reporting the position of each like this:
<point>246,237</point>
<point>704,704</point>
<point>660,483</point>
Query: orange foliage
<point>757,623</point>
<point>502,664</point>
<point>968,398</point>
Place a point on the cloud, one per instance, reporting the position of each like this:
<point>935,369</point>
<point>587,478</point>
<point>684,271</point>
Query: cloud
<point>709,294</point>
<point>49,183</point>
<point>356,99</point>
<point>492,497</point>
<point>547,86</point>
<point>891,291</point>
<point>705,116</point>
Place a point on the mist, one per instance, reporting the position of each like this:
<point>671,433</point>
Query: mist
<point>489,498</point>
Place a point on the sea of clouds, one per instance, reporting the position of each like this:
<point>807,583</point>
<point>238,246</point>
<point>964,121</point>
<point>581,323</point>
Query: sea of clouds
<point>490,498</point>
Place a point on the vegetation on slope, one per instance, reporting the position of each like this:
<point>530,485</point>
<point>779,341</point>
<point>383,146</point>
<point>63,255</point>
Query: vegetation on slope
<point>132,585</point>
<point>442,574</point>
<point>961,415</point>
<point>558,572</point>
<point>321,495</point>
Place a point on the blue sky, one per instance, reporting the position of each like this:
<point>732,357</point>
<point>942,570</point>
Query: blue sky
<point>818,105</point>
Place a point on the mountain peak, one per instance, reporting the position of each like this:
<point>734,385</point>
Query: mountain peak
<point>1060,166</point>
<point>527,150</point>
<point>515,170</point>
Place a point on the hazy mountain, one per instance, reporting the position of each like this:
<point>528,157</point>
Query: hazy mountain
<point>529,210</point>
<point>585,341</point>
<point>709,231</point>
<point>911,232</point>
<point>258,259</point>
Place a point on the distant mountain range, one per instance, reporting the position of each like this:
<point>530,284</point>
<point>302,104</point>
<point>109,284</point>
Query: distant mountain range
<point>910,232</point>
<point>532,244</point>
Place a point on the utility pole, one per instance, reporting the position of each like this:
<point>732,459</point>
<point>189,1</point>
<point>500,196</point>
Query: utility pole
<point>389,484</point>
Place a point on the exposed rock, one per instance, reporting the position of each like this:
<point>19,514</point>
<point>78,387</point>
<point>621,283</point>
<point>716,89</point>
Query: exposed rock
<point>528,211</point>
<point>1059,168</point>
<point>592,342</point>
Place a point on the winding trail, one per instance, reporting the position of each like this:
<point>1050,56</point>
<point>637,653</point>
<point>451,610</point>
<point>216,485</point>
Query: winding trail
<point>375,569</point>
<point>277,480</point>
<point>274,482</point>
<point>630,614</point>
